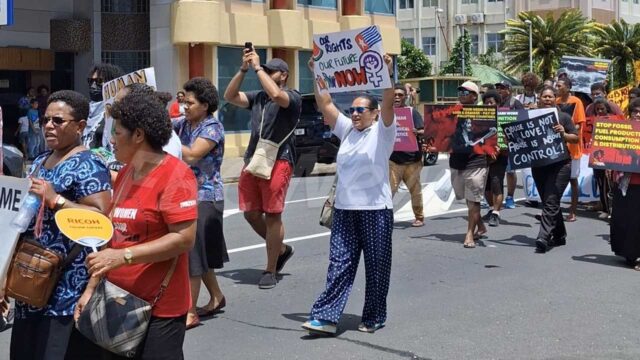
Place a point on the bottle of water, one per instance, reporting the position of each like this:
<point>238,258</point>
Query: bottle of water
<point>28,210</point>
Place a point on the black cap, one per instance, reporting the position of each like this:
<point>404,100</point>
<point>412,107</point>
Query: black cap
<point>276,64</point>
<point>504,83</point>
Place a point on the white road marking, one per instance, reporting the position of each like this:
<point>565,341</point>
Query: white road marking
<point>300,238</point>
<point>327,233</point>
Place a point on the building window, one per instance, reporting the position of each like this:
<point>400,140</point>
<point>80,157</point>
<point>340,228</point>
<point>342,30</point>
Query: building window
<point>129,61</point>
<point>410,40</point>
<point>305,75</point>
<point>465,2</point>
<point>379,7</point>
<point>405,4</point>
<point>429,45</point>
<point>125,6</point>
<point>495,42</point>
<point>232,117</point>
<point>474,44</point>
<point>333,4</point>
<point>429,3</point>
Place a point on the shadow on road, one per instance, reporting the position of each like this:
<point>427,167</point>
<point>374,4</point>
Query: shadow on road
<point>246,276</point>
<point>516,240</point>
<point>600,259</point>
<point>349,322</point>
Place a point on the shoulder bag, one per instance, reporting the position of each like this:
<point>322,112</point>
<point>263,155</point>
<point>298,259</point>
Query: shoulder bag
<point>117,320</point>
<point>34,270</point>
<point>265,154</point>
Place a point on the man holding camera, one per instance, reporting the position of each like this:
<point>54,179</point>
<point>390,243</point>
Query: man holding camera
<point>275,111</point>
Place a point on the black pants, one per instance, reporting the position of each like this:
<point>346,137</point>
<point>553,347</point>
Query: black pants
<point>603,188</point>
<point>551,180</point>
<point>43,338</point>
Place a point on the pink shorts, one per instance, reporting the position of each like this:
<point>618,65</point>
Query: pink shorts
<point>256,194</point>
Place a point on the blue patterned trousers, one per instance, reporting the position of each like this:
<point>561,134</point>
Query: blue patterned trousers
<point>353,232</point>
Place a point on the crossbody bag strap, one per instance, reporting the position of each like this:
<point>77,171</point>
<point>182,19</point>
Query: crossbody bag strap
<point>165,282</point>
<point>283,140</point>
<point>72,255</point>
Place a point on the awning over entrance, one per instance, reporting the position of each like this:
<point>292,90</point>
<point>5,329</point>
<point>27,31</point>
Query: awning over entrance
<point>488,75</point>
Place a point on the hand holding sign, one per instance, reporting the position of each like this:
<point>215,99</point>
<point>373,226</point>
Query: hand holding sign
<point>86,227</point>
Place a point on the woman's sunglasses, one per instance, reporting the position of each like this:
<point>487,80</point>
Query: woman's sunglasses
<point>358,109</point>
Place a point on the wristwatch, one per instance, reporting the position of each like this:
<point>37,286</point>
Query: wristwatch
<point>59,203</point>
<point>128,256</point>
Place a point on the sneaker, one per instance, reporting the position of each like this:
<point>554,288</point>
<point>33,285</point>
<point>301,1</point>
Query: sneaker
<point>509,203</point>
<point>284,257</point>
<point>370,329</point>
<point>542,246</point>
<point>268,280</point>
<point>558,241</point>
<point>494,220</point>
<point>320,327</point>
<point>487,216</point>
<point>484,204</point>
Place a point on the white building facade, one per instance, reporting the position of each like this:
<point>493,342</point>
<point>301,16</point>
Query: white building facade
<point>434,25</point>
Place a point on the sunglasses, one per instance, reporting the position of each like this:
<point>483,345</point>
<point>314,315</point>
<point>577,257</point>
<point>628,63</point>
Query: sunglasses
<point>56,120</point>
<point>98,81</point>
<point>358,109</point>
<point>463,92</point>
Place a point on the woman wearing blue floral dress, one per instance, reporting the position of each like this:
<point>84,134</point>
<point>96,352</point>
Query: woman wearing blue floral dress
<point>67,176</point>
<point>202,137</point>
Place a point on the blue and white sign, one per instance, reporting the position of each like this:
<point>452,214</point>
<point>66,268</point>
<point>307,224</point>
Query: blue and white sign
<point>587,184</point>
<point>6,12</point>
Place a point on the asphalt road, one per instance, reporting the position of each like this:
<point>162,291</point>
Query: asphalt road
<point>498,301</point>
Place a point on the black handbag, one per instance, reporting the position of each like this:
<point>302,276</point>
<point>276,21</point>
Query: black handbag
<point>117,320</point>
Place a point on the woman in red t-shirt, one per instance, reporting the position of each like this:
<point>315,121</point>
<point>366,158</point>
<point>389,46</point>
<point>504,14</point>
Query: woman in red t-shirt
<point>154,214</point>
<point>625,209</point>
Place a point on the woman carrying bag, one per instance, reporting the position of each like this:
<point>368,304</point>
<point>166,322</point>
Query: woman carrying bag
<point>154,215</point>
<point>363,215</point>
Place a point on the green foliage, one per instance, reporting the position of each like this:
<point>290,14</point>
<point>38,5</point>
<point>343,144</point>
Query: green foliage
<point>454,65</point>
<point>570,34</point>
<point>620,43</point>
<point>412,62</point>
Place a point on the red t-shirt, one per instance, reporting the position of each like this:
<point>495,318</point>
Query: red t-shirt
<point>142,213</point>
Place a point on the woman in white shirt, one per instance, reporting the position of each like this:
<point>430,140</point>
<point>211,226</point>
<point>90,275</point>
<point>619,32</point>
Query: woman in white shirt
<point>363,215</point>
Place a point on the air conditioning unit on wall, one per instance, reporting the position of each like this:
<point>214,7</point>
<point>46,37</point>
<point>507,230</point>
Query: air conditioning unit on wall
<point>477,18</point>
<point>460,19</point>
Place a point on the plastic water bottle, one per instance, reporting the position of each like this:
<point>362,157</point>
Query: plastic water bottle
<point>28,210</point>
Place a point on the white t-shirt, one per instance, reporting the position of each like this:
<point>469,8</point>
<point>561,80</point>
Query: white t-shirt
<point>23,122</point>
<point>363,165</point>
<point>174,146</point>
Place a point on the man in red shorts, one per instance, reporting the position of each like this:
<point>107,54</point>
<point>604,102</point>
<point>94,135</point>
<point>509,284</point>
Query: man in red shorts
<point>275,111</point>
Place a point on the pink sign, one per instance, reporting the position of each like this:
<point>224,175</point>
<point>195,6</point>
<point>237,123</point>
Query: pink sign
<point>405,137</point>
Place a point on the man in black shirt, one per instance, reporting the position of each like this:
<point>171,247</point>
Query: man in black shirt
<point>406,166</point>
<point>469,174</point>
<point>509,103</point>
<point>275,111</point>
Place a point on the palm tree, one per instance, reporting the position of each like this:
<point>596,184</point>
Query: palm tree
<point>569,34</point>
<point>619,42</point>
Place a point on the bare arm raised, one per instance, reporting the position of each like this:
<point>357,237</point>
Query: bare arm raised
<point>325,104</point>
<point>387,98</point>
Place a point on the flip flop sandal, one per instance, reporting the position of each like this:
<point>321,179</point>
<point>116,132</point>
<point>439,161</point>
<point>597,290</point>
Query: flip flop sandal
<point>469,245</point>
<point>570,218</point>
<point>417,223</point>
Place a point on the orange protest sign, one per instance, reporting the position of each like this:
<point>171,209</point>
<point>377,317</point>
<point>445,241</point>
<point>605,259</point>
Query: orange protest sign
<point>86,227</point>
<point>620,96</point>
